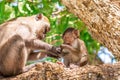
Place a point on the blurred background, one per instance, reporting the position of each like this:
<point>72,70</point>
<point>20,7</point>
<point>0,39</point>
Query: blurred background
<point>60,19</point>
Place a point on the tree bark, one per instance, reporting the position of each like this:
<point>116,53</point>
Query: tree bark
<point>54,71</point>
<point>102,18</point>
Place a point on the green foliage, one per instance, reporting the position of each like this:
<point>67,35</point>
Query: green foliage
<point>50,59</point>
<point>59,21</point>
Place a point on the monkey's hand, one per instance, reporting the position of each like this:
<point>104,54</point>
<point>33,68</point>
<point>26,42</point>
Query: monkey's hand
<point>65,46</point>
<point>54,52</point>
<point>56,49</point>
<point>68,48</point>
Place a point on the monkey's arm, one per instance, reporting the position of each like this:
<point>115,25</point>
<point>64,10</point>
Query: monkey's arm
<point>50,50</point>
<point>50,54</point>
<point>66,62</point>
<point>83,48</point>
<point>68,47</point>
<point>84,56</point>
<point>37,44</point>
<point>39,54</point>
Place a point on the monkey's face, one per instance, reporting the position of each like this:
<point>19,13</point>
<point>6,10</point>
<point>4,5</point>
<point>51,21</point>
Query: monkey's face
<point>68,38</point>
<point>44,26</point>
<point>41,34</point>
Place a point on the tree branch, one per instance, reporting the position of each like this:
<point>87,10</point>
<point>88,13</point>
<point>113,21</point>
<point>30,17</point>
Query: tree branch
<point>54,71</point>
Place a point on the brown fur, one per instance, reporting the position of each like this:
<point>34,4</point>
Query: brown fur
<point>73,49</point>
<point>18,38</point>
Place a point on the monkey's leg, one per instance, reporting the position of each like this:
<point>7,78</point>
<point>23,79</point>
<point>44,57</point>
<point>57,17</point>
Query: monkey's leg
<point>66,62</point>
<point>13,56</point>
<point>84,61</point>
<point>36,56</point>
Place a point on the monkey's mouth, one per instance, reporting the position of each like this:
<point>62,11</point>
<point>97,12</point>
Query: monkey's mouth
<point>68,43</point>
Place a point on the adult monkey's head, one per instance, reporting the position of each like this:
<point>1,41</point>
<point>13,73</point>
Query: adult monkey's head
<point>43,26</point>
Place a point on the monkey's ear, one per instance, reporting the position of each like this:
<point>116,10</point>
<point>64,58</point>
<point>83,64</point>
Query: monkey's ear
<point>76,32</point>
<point>38,17</point>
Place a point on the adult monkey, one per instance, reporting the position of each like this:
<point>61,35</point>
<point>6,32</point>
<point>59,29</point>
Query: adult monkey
<point>18,38</point>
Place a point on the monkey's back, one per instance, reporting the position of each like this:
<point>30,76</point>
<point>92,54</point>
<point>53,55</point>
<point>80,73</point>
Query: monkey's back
<point>21,26</point>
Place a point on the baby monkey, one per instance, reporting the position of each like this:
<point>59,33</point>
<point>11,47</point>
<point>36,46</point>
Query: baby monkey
<point>73,49</point>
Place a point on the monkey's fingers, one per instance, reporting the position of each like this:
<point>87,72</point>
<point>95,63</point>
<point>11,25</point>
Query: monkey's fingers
<point>53,55</point>
<point>56,50</point>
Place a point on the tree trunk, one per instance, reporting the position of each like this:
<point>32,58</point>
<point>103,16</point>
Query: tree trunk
<point>102,18</point>
<point>54,71</point>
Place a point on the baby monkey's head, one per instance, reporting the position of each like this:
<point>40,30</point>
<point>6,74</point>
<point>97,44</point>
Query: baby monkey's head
<point>70,35</point>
